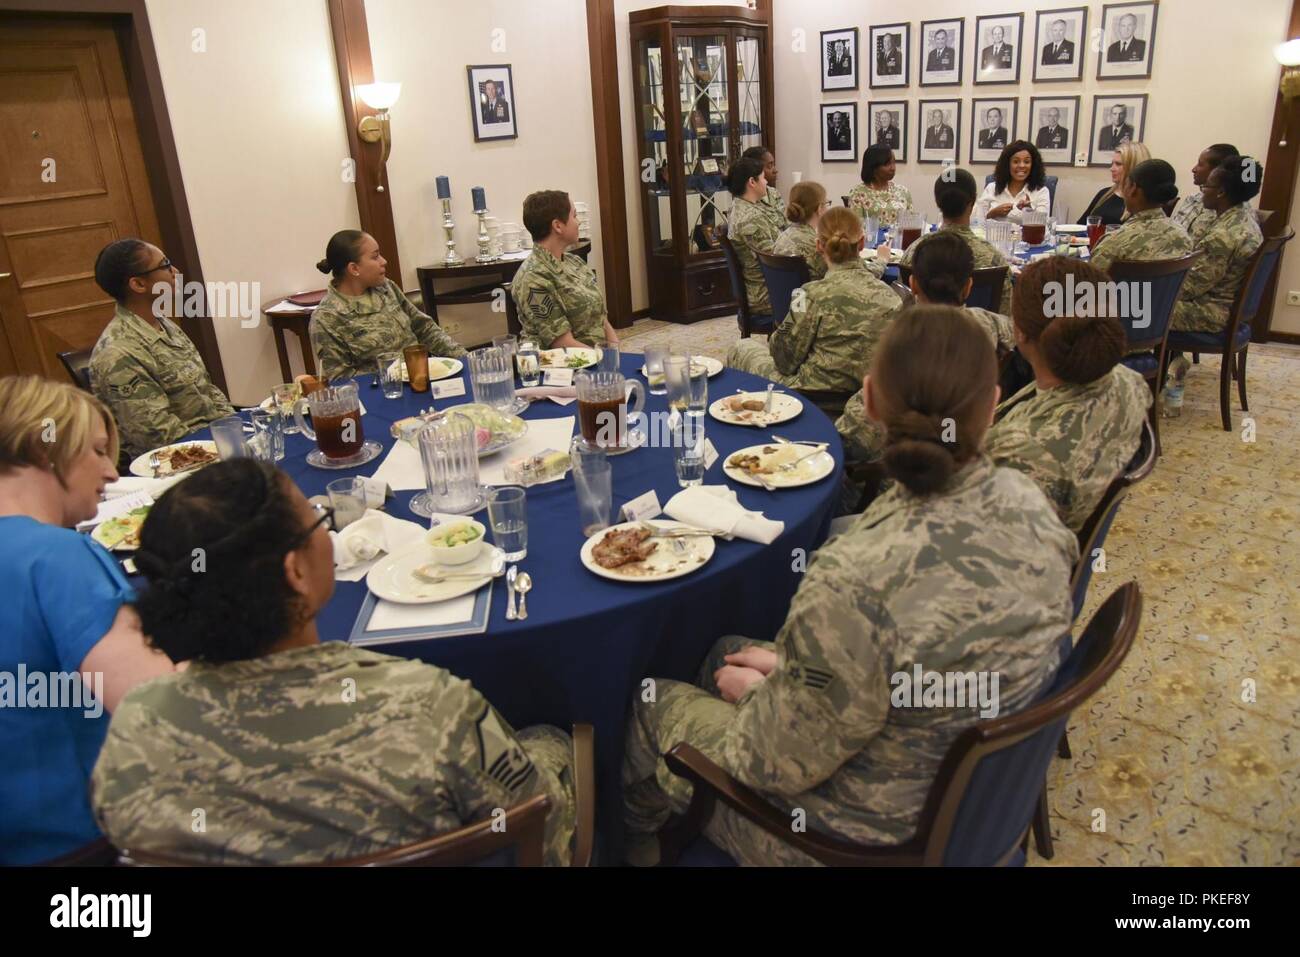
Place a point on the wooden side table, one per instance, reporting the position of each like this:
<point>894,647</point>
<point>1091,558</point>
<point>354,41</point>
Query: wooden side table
<point>295,323</point>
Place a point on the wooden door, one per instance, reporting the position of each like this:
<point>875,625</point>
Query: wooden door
<point>72,179</point>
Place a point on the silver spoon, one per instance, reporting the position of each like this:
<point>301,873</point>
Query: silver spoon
<point>496,570</point>
<point>523,585</point>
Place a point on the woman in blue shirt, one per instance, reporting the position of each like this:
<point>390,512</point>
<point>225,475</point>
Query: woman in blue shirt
<point>64,611</point>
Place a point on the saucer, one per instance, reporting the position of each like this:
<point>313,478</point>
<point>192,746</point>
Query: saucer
<point>370,450</point>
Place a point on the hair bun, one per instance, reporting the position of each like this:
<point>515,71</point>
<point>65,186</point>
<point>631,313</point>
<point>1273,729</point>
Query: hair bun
<point>324,266</point>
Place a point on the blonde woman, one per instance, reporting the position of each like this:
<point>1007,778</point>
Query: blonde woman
<point>804,211</point>
<point>827,343</point>
<point>1109,202</point>
<point>66,611</point>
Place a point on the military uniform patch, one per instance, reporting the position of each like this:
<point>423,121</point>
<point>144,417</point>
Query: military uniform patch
<point>501,757</point>
<point>540,303</point>
<point>809,675</point>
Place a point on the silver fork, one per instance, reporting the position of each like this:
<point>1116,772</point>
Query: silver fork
<point>791,466</point>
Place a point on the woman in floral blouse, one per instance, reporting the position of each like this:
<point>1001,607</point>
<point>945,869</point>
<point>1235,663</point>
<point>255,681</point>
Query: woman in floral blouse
<point>878,196</point>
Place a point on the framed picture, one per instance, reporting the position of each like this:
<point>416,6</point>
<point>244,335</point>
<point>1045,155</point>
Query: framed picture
<point>492,102</point>
<point>940,137</point>
<point>997,41</point>
<point>888,125</point>
<point>1053,125</point>
<point>941,45</point>
<point>1115,120</point>
<point>891,47</point>
<point>992,127</point>
<point>840,59</point>
<point>1059,41</point>
<point>1128,40</point>
<point>839,132</point>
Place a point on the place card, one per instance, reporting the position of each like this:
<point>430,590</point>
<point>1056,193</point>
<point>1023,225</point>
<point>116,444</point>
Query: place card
<point>642,507</point>
<point>710,454</point>
<point>557,377</point>
<point>377,492</point>
<point>446,388</point>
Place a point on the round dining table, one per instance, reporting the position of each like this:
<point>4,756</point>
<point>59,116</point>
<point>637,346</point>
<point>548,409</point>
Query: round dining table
<point>588,642</point>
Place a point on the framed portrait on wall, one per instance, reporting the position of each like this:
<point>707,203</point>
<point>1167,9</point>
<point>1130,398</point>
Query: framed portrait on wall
<point>887,121</point>
<point>1128,40</point>
<point>840,59</point>
<point>940,138</point>
<point>941,46</point>
<point>1115,120</point>
<point>997,48</point>
<point>839,132</point>
<point>1060,38</point>
<point>992,127</point>
<point>1053,124</point>
<point>492,102</point>
<point>891,46</point>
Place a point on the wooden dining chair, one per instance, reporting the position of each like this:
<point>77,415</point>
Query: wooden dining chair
<point>748,322</point>
<point>985,290</point>
<point>903,293</point>
<point>77,364</point>
<point>828,400</point>
<point>979,808</point>
<point>97,853</point>
<point>782,275</point>
<point>518,840</point>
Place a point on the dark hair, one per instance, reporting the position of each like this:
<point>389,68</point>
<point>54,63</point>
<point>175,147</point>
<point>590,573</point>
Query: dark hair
<point>741,172</point>
<point>955,192</point>
<point>1037,172</point>
<point>237,604</point>
<point>875,157</point>
<point>543,208</point>
<point>1156,179</point>
<point>343,249</point>
<point>1242,176</point>
<point>942,265</point>
<point>1077,349</point>
<point>935,412</point>
<point>115,264</point>
<point>757,153</point>
<point>1220,152</point>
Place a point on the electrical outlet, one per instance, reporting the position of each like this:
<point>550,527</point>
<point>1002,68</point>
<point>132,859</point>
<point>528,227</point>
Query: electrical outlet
<point>1293,297</point>
<point>1081,159</point>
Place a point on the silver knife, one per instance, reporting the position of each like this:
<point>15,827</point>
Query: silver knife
<point>511,614</point>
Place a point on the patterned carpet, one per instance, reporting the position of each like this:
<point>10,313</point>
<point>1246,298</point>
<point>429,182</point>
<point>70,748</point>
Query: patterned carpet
<point>1171,766</point>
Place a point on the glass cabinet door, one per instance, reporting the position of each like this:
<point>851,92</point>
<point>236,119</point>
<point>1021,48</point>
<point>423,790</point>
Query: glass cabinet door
<point>653,169</point>
<point>704,86</point>
<point>749,92</point>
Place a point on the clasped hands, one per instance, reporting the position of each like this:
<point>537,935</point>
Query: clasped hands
<point>743,669</point>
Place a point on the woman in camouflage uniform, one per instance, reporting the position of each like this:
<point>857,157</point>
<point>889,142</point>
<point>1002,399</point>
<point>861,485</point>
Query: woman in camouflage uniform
<point>1078,424</point>
<point>960,567</point>
<point>1191,213</point>
<point>799,238</point>
<point>827,340</point>
<point>295,750</point>
<point>1147,234</point>
<point>752,227</point>
<point>365,314</point>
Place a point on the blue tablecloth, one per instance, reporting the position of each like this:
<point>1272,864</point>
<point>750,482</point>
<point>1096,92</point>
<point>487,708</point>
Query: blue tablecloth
<point>588,641</point>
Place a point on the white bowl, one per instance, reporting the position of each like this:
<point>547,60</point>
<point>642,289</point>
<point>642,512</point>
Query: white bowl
<point>456,554</point>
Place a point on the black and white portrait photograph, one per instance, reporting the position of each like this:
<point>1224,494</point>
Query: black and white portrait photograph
<point>840,59</point>
<point>839,132</point>
<point>890,56</point>
<point>940,136</point>
<point>1128,40</point>
<point>997,48</point>
<point>1115,120</point>
<point>941,45</point>
<point>887,121</point>
<point>492,102</point>
<point>1053,122</point>
<point>1060,38</point>
<point>993,126</point>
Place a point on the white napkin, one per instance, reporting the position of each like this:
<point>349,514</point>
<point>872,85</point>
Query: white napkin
<point>358,545</point>
<point>716,506</point>
<point>130,484</point>
<point>559,394</point>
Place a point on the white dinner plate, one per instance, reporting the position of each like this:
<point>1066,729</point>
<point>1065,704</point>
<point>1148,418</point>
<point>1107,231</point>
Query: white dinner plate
<point>1070,228</point>
<point>392,578</point>
<point>550,359</point>
<point>109,533</point>
<point>812,466</point>
<point>140,466</point>
<point>663,564</point>
<point>785,407</point>
<point>712,365</point>
<point>450,367</point>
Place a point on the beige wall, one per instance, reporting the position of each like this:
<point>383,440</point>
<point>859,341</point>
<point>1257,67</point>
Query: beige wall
<point>260,137</point>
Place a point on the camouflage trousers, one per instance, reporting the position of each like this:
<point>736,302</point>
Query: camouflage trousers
<point>1199,317</point>
<point>698,716</point>
<point>750,355</point>
<point>551,751</point>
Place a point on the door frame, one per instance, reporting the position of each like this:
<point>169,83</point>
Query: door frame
<point>130,19</point>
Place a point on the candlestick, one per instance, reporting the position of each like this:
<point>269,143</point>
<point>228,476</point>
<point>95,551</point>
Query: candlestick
<point>484,240</point>
<point>452,258</point>
<point>444,187</point>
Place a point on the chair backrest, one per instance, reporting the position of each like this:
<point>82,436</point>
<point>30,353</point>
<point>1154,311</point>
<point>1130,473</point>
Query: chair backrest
<point>1262,216</point>
<point>518,840</point>
<point>1092,535</point>
<point>1255,282</point>
<point>989,783</point>
<point>986,286</point>
<point>78,365</point>
<point>736,274</point>
<point>783,275</point>
<point>904,293</point>
<point>1157,283</point>
<point>1048,181</point>
<point>828,400</point>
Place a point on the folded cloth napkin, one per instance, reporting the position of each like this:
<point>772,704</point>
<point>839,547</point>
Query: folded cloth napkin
<point>560,394</point>
<point>130,484</point>
<point>716,507</point>
<point>358,545</point>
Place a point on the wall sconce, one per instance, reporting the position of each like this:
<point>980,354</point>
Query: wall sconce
<point>374,129</point>
<point>1288,54</point>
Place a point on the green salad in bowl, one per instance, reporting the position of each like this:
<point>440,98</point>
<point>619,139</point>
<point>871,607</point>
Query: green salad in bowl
<point>457,543</point>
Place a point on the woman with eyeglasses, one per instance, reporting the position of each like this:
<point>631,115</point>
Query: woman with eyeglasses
<point>295,750</point>
<point>144,368</point>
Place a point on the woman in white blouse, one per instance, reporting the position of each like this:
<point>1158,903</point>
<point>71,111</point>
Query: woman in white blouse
<point>1018,185</point>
